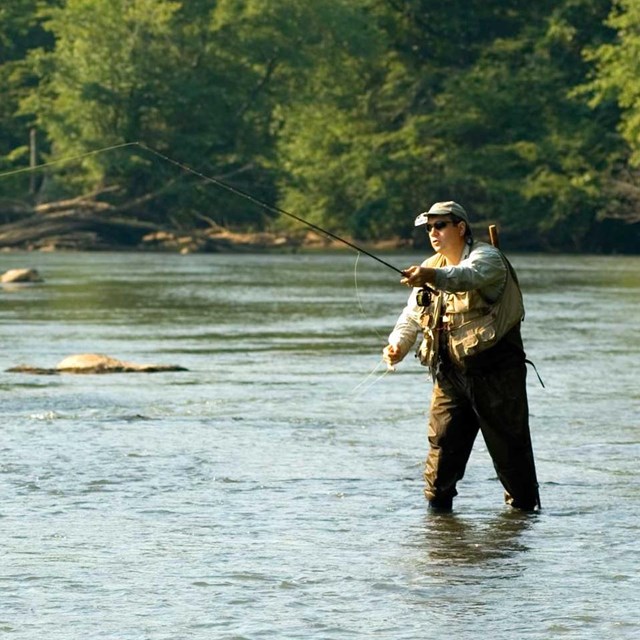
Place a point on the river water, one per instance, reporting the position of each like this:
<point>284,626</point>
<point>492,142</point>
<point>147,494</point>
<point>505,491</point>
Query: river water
<point>274,489</point>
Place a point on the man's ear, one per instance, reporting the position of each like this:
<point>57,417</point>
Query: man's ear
<point>462,229</point>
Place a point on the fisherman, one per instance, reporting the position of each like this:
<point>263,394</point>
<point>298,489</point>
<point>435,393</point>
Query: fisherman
<point>467,304</point>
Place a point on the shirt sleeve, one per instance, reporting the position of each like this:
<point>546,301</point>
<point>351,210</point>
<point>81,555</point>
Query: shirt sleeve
<point>407,327</point>
<point>483,269</point>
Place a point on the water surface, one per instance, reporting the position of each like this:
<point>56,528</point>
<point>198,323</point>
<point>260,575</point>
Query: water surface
<point>274,489</point>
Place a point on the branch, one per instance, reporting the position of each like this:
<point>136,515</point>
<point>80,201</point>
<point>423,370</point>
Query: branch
<point>86,201</point>
<point>271,66</point>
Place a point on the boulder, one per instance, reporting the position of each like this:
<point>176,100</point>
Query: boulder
<point>96,363</point>
<point>20,275</point>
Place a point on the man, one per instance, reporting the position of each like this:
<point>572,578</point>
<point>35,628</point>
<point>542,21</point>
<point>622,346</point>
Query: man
<point>467,304</point>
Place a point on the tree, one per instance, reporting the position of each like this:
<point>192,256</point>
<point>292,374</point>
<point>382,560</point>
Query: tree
<point>201,82</point>
<point>20,31</point>
<point>615,82</point>
<point>355,114</point>
<point>98,86</point>
<point>470,101</point>
<point>147,71</point>
<point>526,151</point>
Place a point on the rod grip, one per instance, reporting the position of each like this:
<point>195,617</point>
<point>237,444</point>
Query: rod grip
<point>493,236</point>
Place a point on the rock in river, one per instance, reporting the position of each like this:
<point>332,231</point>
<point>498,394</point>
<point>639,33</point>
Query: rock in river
<point>96,363</point>
<point>20,275</point>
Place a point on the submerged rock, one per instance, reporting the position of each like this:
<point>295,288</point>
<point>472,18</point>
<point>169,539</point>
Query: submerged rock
<point>20,275</point>
<point>96,363</point>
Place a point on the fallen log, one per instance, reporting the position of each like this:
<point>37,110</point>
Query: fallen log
<point>73,230</point>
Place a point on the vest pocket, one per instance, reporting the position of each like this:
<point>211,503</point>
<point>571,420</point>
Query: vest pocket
<point>472,337</point>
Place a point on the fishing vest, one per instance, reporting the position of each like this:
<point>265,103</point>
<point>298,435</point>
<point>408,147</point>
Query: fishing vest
<point>469,323</point>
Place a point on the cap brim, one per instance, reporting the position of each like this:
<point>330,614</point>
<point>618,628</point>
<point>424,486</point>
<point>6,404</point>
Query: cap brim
<point>423,218</point>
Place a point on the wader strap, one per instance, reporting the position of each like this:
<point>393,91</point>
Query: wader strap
<point>534,368</point>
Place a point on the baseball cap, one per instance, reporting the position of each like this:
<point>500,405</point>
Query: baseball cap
<point>448,208</point>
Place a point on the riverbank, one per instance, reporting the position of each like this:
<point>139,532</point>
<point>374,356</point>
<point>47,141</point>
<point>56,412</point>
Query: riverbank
<point>89,233</point>
<point>89,230</point>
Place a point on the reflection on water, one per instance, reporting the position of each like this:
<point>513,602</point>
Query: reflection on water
<point>257,496</point>
<point>452,539</point>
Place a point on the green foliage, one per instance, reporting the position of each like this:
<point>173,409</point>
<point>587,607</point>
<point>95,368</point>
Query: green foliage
<point>469,102</point>
<point>20,31</point>
<point>203,85</point>
<point>520,150</point>
<point>617,75</point>
<point>613,87</point>
<point>354,114</point>
<point>102,85</point>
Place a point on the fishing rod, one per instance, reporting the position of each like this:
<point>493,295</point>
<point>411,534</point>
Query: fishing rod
<point>266,205</point>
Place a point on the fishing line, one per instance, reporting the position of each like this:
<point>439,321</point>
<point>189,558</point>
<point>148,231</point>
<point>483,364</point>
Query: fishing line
<point>274,209</point>
<point>360,305</point>
<point>375,369</point>
<point>368,377</point>
<point>69,158</point>
<point>364,380</point>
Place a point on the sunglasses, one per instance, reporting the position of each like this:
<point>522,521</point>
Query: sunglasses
<point>438,226</point>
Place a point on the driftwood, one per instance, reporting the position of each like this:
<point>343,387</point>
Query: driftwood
<point>82,222</point>
<point>95,363</point>
<point>78,229</point>
<point>87,223</point>
<point>80,203</point>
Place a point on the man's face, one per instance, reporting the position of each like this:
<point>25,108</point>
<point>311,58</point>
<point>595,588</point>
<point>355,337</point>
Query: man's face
<point>445,236</point>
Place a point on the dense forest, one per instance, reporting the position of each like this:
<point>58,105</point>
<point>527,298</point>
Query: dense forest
<point>354,114</point>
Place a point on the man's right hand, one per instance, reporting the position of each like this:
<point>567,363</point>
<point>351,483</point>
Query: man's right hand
<point>417,276</point>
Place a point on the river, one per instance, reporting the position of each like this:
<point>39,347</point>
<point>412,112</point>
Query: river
<point>274,490</point>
